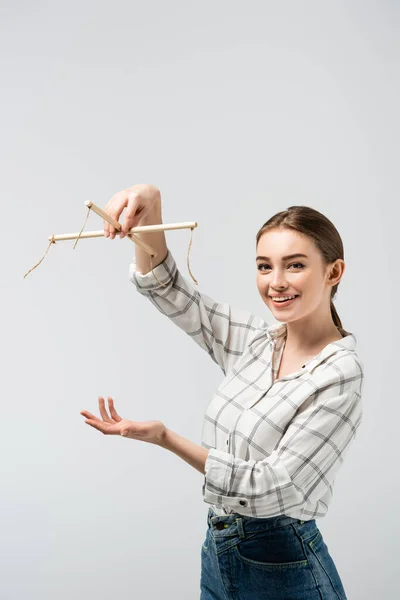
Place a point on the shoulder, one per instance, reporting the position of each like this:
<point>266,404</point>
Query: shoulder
<point>341,372</point>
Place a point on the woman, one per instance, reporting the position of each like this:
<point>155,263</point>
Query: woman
<point>282,420</point>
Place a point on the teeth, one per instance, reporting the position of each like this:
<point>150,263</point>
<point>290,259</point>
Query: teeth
<point>282,299</point>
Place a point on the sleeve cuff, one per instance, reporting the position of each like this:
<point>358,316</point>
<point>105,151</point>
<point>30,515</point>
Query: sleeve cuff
<point>147,282</point>
<point>218,471</point>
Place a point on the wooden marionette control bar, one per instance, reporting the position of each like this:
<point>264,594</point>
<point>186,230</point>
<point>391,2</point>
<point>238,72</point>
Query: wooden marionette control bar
<point>130,234</point>
<point>118,227</point>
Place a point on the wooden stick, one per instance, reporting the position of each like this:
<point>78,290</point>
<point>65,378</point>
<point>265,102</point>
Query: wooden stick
<point>138,229</point>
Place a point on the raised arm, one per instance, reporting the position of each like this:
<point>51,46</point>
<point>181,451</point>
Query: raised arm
<point>220,329</point>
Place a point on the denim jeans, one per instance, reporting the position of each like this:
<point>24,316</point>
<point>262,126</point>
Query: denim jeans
<point>275,558</point>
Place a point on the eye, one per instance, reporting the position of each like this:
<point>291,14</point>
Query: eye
<point>297,265</point>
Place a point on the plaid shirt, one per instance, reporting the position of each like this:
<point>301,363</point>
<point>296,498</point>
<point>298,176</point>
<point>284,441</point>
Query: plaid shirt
<point>275,445</point>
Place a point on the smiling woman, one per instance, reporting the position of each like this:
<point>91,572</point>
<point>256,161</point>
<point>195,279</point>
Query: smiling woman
<point>291,392</point>
<point>307,287</point>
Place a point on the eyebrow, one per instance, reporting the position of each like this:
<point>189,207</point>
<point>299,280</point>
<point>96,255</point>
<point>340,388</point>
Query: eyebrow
<point>287,257</point>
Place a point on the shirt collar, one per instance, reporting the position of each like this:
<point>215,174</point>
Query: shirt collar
<point>348,342</point>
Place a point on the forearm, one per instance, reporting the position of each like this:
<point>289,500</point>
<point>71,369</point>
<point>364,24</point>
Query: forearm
<point>155,239</point>
<point>190,452</point>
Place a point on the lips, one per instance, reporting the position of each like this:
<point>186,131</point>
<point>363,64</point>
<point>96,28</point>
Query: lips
<point>283,303</point>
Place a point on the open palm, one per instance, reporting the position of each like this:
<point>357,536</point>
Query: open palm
<point>112,424</point>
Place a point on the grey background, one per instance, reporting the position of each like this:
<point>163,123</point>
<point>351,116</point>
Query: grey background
<point>235,112</point>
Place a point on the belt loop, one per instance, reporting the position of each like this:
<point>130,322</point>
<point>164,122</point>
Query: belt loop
<point>239,522</point>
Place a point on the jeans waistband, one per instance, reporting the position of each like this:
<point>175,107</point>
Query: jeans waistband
<point>248,524</point>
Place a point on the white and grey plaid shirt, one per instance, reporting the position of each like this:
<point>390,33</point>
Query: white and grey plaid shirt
<point>275,446</point>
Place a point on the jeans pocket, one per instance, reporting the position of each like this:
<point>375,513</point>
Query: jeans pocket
<point>272,549</point>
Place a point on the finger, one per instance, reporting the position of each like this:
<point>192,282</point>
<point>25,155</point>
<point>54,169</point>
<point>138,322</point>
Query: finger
<point>120,200</point>
<point>89,415</point>
<point>112,410</point>
<point>113,209</point>
<point>103,411</point>
<point>130,217</point>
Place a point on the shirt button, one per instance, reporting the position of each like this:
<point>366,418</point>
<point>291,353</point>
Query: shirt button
<point>219,525</point>
<point>243,502</point>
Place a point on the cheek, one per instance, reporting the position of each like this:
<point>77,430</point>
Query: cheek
<point>261,285</point>
<point>304,283</point>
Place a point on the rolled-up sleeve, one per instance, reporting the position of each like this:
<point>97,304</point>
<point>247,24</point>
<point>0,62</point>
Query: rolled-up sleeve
<point>300,470</point>
<point>218,328</point>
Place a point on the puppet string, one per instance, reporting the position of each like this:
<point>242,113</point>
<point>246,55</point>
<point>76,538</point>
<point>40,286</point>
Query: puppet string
<point>165,284</point>
<point>79,235</point>
<point>52,241</point>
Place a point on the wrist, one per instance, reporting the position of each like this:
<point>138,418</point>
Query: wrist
<point>165,438</point>
<point>153,216</point>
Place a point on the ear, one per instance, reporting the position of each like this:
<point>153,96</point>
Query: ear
<point>335,272</point>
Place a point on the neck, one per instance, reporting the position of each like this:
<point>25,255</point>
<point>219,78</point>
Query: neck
<point>306,334</point>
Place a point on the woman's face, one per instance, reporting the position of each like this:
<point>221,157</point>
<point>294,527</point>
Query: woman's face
<point>304,276</point>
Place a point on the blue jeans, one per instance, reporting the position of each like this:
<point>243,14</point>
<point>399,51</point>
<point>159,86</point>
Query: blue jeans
<point>275,558</point>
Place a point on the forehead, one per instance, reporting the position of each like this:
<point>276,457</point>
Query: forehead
<point>279,242</point>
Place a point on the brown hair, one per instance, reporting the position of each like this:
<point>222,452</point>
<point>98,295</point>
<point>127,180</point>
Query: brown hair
<point>319,229</point>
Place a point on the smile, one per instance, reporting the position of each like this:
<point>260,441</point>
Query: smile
<point>282,304</point>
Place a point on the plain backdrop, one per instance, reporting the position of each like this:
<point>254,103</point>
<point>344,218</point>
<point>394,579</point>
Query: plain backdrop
<point>235,111</point>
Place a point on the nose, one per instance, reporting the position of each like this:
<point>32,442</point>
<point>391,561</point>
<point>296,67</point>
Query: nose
<point>278,282</point>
